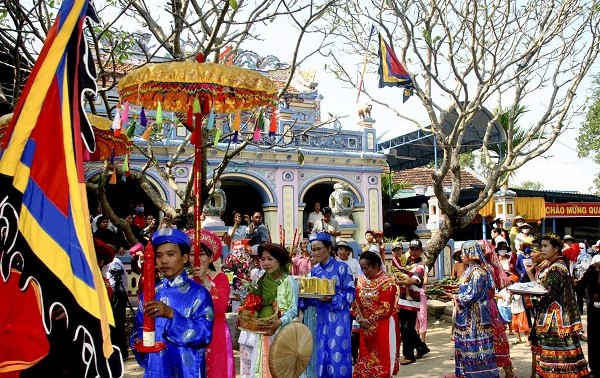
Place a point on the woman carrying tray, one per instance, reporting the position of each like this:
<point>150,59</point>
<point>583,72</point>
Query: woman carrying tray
<point>333,330</point>
<point>557,321</point>
<point>274,286</point>
<point>473,340</point>
<point>376,306</point>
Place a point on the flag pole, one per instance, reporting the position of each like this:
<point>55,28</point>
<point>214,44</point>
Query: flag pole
<point>362,73</point>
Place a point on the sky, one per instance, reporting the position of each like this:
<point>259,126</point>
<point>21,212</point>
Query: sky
<point>560,169</point>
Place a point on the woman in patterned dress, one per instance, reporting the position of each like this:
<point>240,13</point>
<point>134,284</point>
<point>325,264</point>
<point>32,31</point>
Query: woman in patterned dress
<point>375,306</point>
<point>557,321</point>
<point>473,340</point>
<point>333,330</point>
<point>499,280</point>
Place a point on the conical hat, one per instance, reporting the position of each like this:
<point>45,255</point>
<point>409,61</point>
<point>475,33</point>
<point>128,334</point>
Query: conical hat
<point>290,351</point>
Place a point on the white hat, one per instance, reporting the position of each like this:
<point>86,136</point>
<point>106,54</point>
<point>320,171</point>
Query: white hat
<point>597,244</point>
<point>500,239</point>
<point>568,237</point>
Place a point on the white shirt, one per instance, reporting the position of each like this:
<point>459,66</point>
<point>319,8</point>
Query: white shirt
<point>322,226</point>
<point>314,217</point>
<point>117,265</point>
<point>354,266</point>
<point>516,305</point>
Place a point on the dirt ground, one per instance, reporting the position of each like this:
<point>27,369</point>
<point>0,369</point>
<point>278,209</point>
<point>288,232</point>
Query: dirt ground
<point>438,362</point>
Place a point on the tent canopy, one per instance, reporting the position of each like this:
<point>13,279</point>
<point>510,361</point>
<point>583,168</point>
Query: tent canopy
<point>419,148</point>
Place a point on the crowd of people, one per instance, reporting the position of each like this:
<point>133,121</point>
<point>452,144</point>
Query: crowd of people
<point>377,319</point>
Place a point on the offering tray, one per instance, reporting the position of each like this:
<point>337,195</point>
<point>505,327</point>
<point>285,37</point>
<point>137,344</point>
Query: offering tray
<point>313,295</point>
<point>531,288</point>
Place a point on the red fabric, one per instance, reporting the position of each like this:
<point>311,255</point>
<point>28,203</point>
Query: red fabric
<point>572,252</point>
<point>24,340</point>
<point>219,353</point>
<point>139,220</point>
<point>375,299</point>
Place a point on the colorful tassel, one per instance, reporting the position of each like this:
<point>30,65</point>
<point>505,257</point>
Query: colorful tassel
<point>125,115</point>
<point>235,137</point>
<point>86,154</point>
<point>190,116</point>
<point>196,106</point>
<point>116,125</point>
<point>130,131</point>
<point>237,121</point>
<point>273,128</point>
<point>112,156</point>
<point>159,116</point>
<point>256,136</point>
<point>217,138</point>
<point>211,119</point>
<point>113,177</point>
<point>125,166</point>
<point>146,134</point>
<point>143,119</point>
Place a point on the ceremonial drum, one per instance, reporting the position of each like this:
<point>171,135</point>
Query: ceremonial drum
<point>290,351</point>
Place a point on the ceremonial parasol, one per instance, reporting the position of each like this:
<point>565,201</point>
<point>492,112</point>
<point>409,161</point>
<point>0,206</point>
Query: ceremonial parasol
<point>290,351</point>
<point>198,88</point>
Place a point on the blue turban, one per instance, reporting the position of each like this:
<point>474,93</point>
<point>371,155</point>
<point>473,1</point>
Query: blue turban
<point>170,235</point>
<point>320,236</point>
<point>472,250</point>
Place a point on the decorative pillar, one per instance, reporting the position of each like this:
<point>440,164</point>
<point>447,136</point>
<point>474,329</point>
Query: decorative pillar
<point>270,219</point>
<point>435,216</point>
<point>422,216</point>
<point>504,205</point>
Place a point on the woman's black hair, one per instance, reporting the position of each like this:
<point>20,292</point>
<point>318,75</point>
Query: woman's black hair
<point>554,241</point>
<point>328,244</point>
<point>371,258</point>
<point>277,252</point>
<point>208,252</point>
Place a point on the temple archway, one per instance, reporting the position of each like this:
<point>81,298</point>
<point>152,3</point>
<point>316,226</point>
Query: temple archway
<point>242,196</point>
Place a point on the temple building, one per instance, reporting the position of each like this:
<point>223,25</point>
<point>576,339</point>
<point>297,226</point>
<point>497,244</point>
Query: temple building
<point>308,160</point>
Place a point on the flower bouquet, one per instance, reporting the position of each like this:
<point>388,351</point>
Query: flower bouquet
<point>237,268</point>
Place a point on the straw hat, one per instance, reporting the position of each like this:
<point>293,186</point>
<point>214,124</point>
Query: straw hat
<point>290,351</point>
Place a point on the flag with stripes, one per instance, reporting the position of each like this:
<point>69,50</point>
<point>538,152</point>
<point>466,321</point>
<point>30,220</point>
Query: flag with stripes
<point>391,72</point>
<point>45,233</point>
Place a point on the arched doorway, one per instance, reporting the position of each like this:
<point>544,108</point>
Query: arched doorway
<point>242,197</point>
<point>317,193</point>
<point>123,197</point>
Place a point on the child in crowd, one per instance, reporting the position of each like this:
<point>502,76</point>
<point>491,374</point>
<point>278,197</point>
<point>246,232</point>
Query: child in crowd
<point>519,319</point>
<point>503,301</point>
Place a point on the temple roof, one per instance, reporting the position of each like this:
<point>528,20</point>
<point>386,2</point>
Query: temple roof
<point>422,176</point>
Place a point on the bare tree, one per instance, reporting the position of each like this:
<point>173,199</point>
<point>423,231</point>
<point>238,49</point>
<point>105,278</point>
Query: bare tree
<point>470,54</point>
<point>173,31</point>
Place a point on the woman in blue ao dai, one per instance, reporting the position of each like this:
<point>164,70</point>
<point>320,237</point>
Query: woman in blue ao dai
<point>333,329</point>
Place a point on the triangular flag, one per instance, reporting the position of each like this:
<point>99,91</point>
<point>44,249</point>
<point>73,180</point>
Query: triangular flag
<point>159,116</point>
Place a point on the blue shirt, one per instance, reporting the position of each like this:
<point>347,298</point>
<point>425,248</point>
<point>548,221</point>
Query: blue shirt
<point>334,326</point>
<point>186,335</point>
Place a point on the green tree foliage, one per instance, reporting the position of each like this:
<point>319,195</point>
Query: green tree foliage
<point>588,141</point>
<point>530,185</point>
